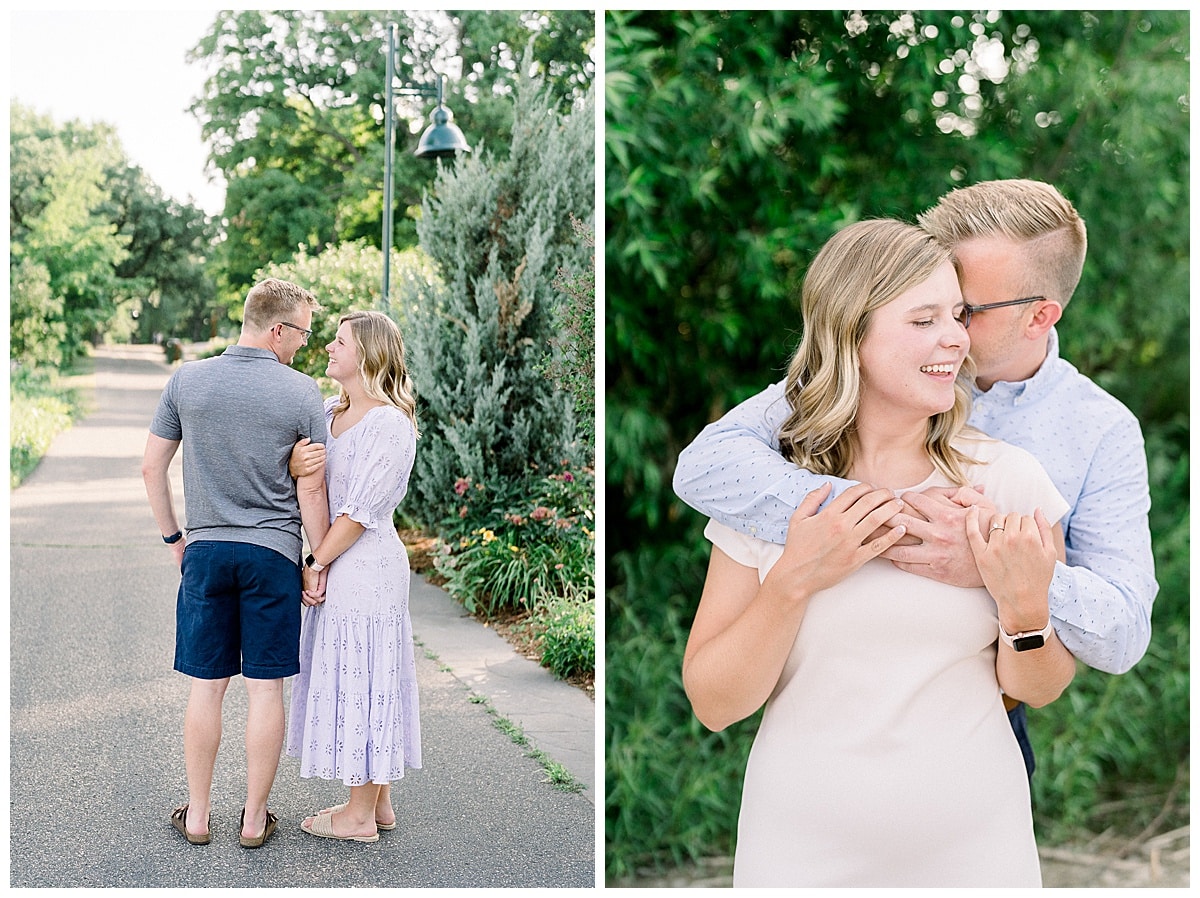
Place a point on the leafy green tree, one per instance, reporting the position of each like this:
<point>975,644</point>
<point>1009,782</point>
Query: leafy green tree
<point>103,240</point>
<point>59,188</point>
<point>37,330</point>
<point>294,114</point>
<point>498,230</point>
<point>169,243</point>
<point>560,41</point>
<point>736,144</point>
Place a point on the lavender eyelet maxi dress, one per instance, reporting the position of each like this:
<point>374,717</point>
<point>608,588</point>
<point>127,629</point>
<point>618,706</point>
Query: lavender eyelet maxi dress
<point>354,708</point>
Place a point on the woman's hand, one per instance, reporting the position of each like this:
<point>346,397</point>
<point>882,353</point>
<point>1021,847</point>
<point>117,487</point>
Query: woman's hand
<point>307,458</point>
<point>825,546</point>
<point>743,631</point>
<point>1016,561</point>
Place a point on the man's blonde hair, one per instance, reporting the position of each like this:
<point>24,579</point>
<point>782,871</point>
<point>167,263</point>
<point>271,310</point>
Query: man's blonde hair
<point>863,267</point>
<point>1031,213</point>
<point>271,301</point>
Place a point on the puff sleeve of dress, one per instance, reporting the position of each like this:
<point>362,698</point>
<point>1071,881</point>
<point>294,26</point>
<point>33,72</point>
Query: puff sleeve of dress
<point>383,451</point>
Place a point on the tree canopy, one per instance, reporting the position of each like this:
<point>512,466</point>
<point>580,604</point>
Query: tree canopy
<point>94,243</point>
<point>294,112</point>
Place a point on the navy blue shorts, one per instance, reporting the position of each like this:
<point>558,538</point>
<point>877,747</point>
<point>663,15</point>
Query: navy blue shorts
<point>238,612</point>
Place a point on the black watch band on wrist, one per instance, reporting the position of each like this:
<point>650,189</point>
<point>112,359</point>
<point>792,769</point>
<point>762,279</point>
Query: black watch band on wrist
<point>173,538</point>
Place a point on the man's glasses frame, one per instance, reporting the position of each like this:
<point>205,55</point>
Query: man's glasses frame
<point>307,333</point>
<point>969,310</point>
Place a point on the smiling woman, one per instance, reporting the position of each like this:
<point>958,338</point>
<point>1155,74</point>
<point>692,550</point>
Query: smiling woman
<point>868,329</point>
<point>820,632</point>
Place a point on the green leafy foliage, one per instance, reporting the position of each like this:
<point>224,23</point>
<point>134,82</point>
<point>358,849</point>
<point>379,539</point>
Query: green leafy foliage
<point>568,624</point>
<point>294,104</point>
<point>59,187</point>
<point>736,144</point>
<point>571,362</point>
<point>40,407</point>
<point>344,278</point>
<point>93,244</point>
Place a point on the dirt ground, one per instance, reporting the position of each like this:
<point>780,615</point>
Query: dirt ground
<point>1161,862</point>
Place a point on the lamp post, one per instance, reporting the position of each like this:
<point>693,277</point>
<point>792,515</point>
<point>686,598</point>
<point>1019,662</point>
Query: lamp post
<point>441,138</point>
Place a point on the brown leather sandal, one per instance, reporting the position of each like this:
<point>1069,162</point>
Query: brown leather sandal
<point>257,842</point>
<point>179,821</point>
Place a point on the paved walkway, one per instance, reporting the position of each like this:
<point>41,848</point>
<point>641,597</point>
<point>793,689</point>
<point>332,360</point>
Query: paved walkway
<point>96,712</point>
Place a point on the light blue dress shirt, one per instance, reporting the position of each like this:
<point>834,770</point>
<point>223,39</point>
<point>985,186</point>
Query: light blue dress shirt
<point>1088,442</point>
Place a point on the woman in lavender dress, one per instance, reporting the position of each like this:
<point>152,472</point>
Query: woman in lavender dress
<point>354,703</point>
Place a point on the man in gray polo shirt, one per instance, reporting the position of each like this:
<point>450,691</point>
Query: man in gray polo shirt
<point>238,611</point>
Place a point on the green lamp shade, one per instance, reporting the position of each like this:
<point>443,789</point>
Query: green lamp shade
<point>442,138</point>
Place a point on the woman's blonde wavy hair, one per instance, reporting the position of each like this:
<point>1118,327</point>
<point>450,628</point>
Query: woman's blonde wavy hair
<point>381,365</point>
<point>862,268</point>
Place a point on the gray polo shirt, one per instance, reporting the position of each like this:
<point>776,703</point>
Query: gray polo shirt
<point>238,415</point>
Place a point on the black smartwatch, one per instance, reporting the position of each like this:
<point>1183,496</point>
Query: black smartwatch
<point>311,563</point>
<point>173,538</point>
<point>1028,640</point>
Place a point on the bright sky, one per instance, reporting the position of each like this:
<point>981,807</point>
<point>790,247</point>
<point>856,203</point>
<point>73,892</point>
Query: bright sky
<point>127,69</point>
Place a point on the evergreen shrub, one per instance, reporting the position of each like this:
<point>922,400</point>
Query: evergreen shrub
<point>498,232</point>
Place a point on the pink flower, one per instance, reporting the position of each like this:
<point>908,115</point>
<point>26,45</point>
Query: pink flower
<point>462,512</point>
<point>541,513</point>
<point>569,477</point>
<point>461,485</point>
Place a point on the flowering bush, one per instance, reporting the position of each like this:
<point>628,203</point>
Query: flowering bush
<point>509,544</point>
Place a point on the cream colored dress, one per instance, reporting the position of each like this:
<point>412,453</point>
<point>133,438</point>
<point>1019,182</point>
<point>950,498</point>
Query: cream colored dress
<point>885,756</point>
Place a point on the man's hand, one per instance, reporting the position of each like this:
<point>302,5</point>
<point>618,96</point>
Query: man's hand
<point>307,458</point>
<point>314,586</point>
<point>177,551</point>
<point>939,523</point>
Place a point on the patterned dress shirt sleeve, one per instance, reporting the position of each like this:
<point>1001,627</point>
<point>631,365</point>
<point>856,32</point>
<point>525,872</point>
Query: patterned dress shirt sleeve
<point>733,472</point>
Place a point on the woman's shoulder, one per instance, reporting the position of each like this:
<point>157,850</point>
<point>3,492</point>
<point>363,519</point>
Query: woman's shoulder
<point>1010,476</point>
<point>389,419</point>
<point>985,451</point>
<point>745,550</point>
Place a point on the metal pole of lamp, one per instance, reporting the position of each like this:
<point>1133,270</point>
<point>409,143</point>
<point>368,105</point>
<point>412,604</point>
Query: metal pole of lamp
<point>441,138</point>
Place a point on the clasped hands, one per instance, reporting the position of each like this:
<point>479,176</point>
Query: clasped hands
<point>935,543</point>
<point>314,586</point>
<point>952,535</point>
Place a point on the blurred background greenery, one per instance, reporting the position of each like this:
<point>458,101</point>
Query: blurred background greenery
<point>736,144</point>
